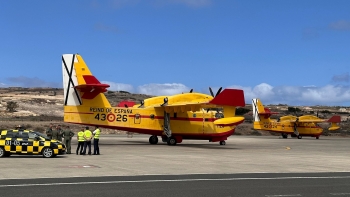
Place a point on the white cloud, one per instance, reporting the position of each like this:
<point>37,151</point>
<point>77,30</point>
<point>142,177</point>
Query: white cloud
<point>162,89</point>
<point>119,86</point>
<point>3,85</point>
<point>23,81</point>
<point>341,25</point>
<point>293,95</point>
<point>341,78</point>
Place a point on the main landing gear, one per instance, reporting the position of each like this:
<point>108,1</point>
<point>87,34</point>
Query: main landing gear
<point>171,141</point>
<point>222,143</point>
<point>284,135</point>
<point>153,139</point>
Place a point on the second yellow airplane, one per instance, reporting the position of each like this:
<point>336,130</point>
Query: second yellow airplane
<point>295,126</point>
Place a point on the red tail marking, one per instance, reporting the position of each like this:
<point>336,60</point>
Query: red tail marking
<point>334,119</point>
<point>126,103</point>
<point>92,88</point>
<point>229,97</point>
<point>267,113</point>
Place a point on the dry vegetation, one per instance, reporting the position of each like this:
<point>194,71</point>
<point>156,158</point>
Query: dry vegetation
<point>38,107</point>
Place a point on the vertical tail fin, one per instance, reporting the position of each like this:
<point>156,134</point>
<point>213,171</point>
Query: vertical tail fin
<point>334,120</point>
<point>79,85</point>
<point>258,108</point>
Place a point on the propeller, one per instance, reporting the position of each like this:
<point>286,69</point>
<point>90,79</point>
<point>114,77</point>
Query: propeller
<point>165,101</point>
<point>142,103</point>
<point>217,93</point>
<point>191,90</point>
<point>212,94</point>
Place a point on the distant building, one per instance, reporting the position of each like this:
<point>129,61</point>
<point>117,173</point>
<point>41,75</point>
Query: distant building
<point>343,110</point>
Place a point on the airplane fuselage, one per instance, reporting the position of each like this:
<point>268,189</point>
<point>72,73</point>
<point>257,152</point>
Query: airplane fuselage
<point>304,129</point>
<point>187,124</point>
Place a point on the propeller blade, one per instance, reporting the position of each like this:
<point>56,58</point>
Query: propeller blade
<point>211,92</point>
<point>191,90</point>
<point>218,92</point>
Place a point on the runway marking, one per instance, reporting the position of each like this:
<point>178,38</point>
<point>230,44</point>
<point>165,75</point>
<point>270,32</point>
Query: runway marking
<point>283,195</point>
<point>339,194</point>
<point>171,180</point>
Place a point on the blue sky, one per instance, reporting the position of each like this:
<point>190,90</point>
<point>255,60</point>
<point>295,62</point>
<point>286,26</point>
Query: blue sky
<point>291,52</point>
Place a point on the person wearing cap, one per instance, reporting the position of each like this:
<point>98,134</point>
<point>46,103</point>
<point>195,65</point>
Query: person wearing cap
<point>87,143</point>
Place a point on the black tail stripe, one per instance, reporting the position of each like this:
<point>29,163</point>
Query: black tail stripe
<point>256,109</point>
<point>70,80</point>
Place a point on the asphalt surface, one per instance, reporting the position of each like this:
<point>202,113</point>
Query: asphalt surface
<point>268,185</point>
<point>245,166</point>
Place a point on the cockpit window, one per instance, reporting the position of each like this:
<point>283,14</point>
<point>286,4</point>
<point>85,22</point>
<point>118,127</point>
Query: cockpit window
<point>219,115</point>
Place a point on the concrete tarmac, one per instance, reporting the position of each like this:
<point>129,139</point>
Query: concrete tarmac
<point>122,156</point>
<point>227,185</point>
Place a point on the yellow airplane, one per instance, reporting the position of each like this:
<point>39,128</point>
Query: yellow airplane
<point>174,118</point>
<point>296,126</point>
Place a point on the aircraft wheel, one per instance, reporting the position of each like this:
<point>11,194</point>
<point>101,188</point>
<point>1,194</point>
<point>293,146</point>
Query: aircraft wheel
<point>284,135</point>
<point>153,139</point>
<point>299,136</point>
<point>171,141</point>
<point>317,137</point>
<point>222,143</point>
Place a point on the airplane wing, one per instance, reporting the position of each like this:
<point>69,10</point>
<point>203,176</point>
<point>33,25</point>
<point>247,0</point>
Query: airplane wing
<point>196,102</point>
<point>334,120</point>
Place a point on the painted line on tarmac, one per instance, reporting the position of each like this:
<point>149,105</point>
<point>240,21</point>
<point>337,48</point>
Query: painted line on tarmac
<point>169,180</point>
<point>283,195</point>
<point>340,194</point>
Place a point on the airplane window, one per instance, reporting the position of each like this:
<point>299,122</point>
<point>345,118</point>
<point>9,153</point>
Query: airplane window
<point>152,116</point>
<point>219,115</point>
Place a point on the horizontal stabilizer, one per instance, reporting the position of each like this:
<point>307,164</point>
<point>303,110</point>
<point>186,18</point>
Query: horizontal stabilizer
<point>229,121</point>
<point>92,88</point>
<point>336,119</point>
<point>229,97</point>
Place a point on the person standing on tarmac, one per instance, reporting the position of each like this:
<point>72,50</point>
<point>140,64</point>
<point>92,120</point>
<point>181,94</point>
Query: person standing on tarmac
<point>59,133</point>
<point>54,134</point>
<point>81,140</point>
<point>67,134</point>
<point>49,131</point>
<point>87,142</point>
<point>96,139</point>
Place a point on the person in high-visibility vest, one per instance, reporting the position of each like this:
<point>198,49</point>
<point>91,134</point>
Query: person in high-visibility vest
<point>96,133</point>
<point>81,140</point>
<point>87,142</point>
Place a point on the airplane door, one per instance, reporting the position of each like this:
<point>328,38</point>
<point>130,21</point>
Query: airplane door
<point>137,119</point>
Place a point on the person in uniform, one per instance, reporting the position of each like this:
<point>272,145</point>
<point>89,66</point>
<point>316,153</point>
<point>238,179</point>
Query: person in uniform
<point>49,131</point>
<point>59,133</point>
<point>67,134</point>
<point>81,140</point>
<point>54,134</point>
<point>87,142</point>
<point>96,134</point>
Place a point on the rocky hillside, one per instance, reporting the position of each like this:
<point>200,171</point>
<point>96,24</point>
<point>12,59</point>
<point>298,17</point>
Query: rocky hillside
<point>37,107</point>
